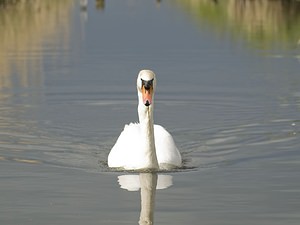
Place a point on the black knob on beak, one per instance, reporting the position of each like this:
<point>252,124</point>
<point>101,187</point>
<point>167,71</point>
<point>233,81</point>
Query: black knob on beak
<point>147,84</point>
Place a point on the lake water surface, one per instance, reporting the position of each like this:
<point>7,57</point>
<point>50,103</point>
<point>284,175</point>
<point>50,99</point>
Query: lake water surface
<point>228,91</point>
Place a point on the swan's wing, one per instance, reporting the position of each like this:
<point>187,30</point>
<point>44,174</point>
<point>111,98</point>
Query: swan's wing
<point>125,151</point>
<point>166,150</point>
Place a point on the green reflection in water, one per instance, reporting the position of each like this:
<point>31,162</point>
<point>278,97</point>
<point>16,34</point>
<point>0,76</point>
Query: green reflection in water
<point>29,30</point>
<point>263,23</point>
<point>27,26</point>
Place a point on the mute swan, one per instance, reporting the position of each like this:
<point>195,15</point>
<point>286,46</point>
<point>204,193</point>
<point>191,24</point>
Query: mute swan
<point>144,145</point>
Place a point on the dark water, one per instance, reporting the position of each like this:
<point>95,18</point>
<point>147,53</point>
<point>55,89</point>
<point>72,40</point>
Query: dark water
<point>228,91</point>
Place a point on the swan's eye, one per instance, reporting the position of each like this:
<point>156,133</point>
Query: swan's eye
<point>147,84</point>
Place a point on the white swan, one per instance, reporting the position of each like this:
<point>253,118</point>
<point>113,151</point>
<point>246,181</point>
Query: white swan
<point>144,145</point>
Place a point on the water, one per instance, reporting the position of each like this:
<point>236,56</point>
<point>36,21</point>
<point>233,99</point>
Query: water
<point>228,91</point>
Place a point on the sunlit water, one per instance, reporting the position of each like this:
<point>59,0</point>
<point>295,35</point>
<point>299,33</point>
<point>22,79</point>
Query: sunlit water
<point>230,101</point>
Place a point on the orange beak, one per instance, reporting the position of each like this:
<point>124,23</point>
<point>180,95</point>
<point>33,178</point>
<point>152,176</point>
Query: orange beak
<point>147,95</point>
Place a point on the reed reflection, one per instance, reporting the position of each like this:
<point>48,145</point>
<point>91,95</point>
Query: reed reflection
<point>30,30</point>
<point>148,183</point>
<point>262,23</point>
<point>26,27</point>
<point>99,4</point>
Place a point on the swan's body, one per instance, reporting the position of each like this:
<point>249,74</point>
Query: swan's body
<point>145,145</point>
<point>127,152</point>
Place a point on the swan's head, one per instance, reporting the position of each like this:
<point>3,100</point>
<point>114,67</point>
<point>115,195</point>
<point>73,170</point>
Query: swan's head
<point>146,83</point>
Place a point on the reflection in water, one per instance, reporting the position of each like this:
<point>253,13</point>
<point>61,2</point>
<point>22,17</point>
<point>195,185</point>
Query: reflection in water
<point>263,23</point>
<point>100,4</point>
<point>83,4</point>
<point>148,183</point>
<point>132,182</point>
<point>30,31</point>
<point>26,26</point>
<point>148,189</point>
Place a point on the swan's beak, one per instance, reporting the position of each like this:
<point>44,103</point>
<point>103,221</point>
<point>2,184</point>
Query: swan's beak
<point>147,92</point>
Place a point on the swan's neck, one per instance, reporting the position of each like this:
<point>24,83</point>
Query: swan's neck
<point>147,132</point>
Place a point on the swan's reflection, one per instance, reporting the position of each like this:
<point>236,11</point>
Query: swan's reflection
<point>148,183</point>
<point>133,182</point>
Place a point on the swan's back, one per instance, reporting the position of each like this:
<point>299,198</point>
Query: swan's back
<point>126,153</point>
